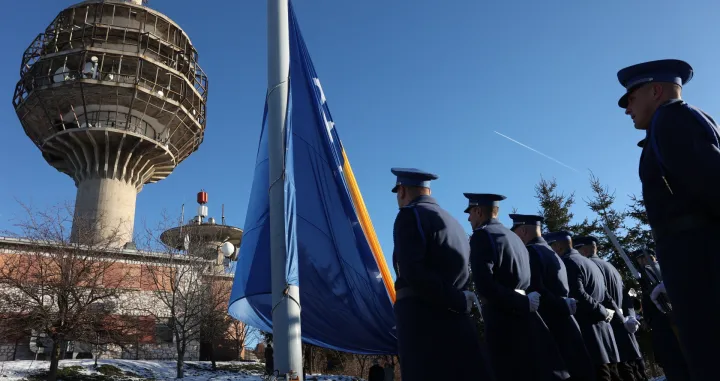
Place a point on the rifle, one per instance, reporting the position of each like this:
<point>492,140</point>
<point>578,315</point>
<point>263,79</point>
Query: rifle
<point>613,239</point>
<point>662,299</point>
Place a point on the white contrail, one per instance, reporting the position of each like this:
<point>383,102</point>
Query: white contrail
<point>536,151</point>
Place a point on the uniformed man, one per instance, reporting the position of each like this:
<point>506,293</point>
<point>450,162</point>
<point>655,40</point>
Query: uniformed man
<point>431,259</point>
<point>549,278</point>
<point>680,175</point>
<point>630,367</point>
<point>665,345</point>
<point>587,286</point>
<point>521,346</point>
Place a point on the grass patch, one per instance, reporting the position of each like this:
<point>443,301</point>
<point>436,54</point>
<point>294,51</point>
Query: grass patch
<point>195,366</point>
<point>72,373</point>
<point>252,368</point>
<point>109,370</point>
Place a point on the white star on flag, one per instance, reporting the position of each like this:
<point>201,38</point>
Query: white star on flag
<point>328,126</point>
<point>322,93</point>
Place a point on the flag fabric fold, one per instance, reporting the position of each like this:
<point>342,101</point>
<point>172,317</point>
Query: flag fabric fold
<point>333,255</point>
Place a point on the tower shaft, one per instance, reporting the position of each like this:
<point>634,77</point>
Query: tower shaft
<point>104,211</point>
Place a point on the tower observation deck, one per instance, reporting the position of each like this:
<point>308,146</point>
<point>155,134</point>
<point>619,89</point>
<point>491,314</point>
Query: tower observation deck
<point>113,96</point>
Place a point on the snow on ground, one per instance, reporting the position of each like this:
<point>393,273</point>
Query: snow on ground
<point>143,370</point>
<point>130,370</point>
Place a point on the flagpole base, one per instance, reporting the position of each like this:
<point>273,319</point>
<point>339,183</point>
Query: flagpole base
<point>286,335</point>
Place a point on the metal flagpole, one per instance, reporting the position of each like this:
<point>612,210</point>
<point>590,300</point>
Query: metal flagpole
<point>285,298</point>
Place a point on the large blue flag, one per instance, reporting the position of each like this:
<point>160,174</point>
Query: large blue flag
<point>346,290</point>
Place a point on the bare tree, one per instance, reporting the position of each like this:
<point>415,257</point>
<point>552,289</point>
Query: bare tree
<point>240,334</point>
<point>55,287</point>
<point>215,320</point>
<point>362,363</point>
<point>185,287</point>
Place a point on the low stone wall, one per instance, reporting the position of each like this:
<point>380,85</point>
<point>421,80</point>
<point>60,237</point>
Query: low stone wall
<point>21,351</point>
<point>143,352</point>
<point>158,352</point>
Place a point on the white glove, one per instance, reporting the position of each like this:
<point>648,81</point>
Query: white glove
<point>470,298</point>
<point>610,315</point>
<point>659,289</point>
<point>631,324</point>
<point>572,305</point>
<point>534,299</point>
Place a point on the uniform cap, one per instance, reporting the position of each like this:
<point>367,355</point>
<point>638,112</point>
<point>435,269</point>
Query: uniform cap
<point>582,241</point>
<point>482,199</point>
<point>557,236</point>
<point>412,177</point>
<point>672,71</point>
<point>641,253</point>
<point>526,219</point>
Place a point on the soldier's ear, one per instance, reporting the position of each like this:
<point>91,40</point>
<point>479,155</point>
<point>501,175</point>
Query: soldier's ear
<point>657,89</point>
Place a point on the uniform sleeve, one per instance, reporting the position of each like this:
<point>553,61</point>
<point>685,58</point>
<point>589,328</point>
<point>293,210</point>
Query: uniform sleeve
<point>586,305</point>
<point>549,301</point>
<point>611,304</point>
<point>410,248</point>
<point>482,261</point>
<point>689,154</point>
<point>649,309</point>
<point>627,305</point>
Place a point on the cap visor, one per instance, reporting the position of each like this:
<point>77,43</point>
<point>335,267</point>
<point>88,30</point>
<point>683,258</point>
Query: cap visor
<point>623,101</point>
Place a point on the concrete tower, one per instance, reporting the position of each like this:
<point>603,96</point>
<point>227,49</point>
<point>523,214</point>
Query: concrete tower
<point>112,95</point>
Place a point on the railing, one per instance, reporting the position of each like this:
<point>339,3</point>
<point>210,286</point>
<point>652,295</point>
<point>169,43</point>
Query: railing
<point>117,68</point>
<point>114,27</point>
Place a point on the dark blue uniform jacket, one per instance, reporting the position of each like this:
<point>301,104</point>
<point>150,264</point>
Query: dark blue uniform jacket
<point>549,278</point>
<point>431,257</point>
<point>628,347</point>
<point>680,174</point>
<point>588,287</point>
<point>520,344</point>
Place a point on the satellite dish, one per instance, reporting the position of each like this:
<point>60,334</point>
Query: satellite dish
<point>61,74</point>
<point>228,249</point>
<point>186,243</point>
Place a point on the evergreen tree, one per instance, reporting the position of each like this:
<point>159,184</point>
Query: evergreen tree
<point>554,206</point>
<point>603,204</point>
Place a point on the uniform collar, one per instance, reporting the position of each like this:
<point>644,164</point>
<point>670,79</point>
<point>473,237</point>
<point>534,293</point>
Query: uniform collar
<point>571,252</point>
<point>423,199</point>
<point>670,101</point>
<point>667,103</point>
<point>492,221</point>
<point>538,241</point>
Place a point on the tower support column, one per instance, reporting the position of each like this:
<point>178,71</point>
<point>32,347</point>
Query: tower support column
<point>104,212</point>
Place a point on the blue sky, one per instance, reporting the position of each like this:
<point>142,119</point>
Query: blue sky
<point>411,84</point>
